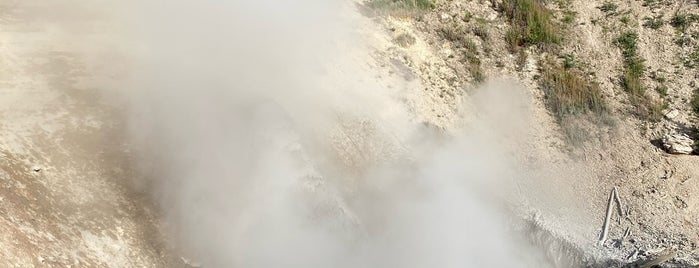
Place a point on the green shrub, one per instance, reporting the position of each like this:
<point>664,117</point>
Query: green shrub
<point>481,31</point>
<point>692,61</point>
<point>532,21</point>
<point>608,7</point>
<point>683,21</point>
<point>568,17</point>
<point>625,20</point>
<point>568,61</point>
<point>651,3</point>
<point>662,90</point>
<point>654,22</point>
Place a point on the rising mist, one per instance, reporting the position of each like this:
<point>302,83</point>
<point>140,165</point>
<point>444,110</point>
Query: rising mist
<point>263,133</point>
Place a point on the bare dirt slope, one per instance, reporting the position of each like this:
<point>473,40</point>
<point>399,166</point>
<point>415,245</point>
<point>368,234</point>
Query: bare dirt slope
<point>64,199</point>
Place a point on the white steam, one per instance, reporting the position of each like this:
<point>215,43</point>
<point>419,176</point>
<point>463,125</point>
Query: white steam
<point>268,141</point>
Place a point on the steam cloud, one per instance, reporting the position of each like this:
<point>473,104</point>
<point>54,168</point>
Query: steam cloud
<point>268,141</point>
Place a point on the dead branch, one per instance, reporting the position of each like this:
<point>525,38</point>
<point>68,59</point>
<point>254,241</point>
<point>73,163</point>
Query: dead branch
<point>605,226</point>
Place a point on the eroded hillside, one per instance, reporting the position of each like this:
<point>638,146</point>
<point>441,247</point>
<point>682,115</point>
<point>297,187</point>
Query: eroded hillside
<point>613,83</point>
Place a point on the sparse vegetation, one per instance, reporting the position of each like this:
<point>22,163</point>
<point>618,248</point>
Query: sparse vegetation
<point>608,7</point>
<point>625,20</point>
<point>633,63</point>
<point>481,30</point>
<point>654,22</point>
<point>683,41</point>
<point>692,61</point>
<point>568,17</point>
<point>652,4</point>
<point>401,4</point>
<point>531,23</point>
<point>468,16</point>
<point>634,69</point>
<point>682,21</point>
<point>662,90</point>
<point>404,40</point>
<point>472,61</point>
<point>568,92</point>
<point>568,61</point>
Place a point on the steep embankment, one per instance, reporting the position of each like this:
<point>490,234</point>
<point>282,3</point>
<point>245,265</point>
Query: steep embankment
<point>609,79</point>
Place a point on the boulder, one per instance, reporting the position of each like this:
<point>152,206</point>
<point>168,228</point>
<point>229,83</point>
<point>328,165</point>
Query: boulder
<point>672,114</point>
<point>678,144</point>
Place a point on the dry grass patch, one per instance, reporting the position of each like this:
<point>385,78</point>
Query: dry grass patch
<point>568,92</point>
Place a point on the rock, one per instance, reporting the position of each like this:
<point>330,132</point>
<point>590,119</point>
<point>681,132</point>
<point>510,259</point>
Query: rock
<point>678,144</point>
<point>444,16</point>
<point>672,114</point>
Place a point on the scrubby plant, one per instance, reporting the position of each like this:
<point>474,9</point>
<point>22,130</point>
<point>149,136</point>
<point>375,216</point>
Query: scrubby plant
<point>568,16</point>
<point>472,61</point>
<point>531,22</point>
<point>682,21</point>
<point>468,16</point>
<point>608,7</point>
<point>481,30</point>
<point>683,41</point>
<point>404,40</point>
<point>692,60</point>
<point>568,61</point>
<point>662,90</point>
<point>654,22</point>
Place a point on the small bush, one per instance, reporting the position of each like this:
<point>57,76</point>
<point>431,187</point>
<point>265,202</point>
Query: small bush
<point>453,33</point>
<point>404,40</point>
<point>683,21</point>
<point>532,21</point>
<point>568,17</point>
<point>468,16</point>
<point>471,60</point>
<point>662,90</point>
<point>608,7</point>
<point>481,31</point>
<point>654,22</point>
<point>692,61</point>
<point>683,41</point>
<point>625,20</point>
<point>568,61</point>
